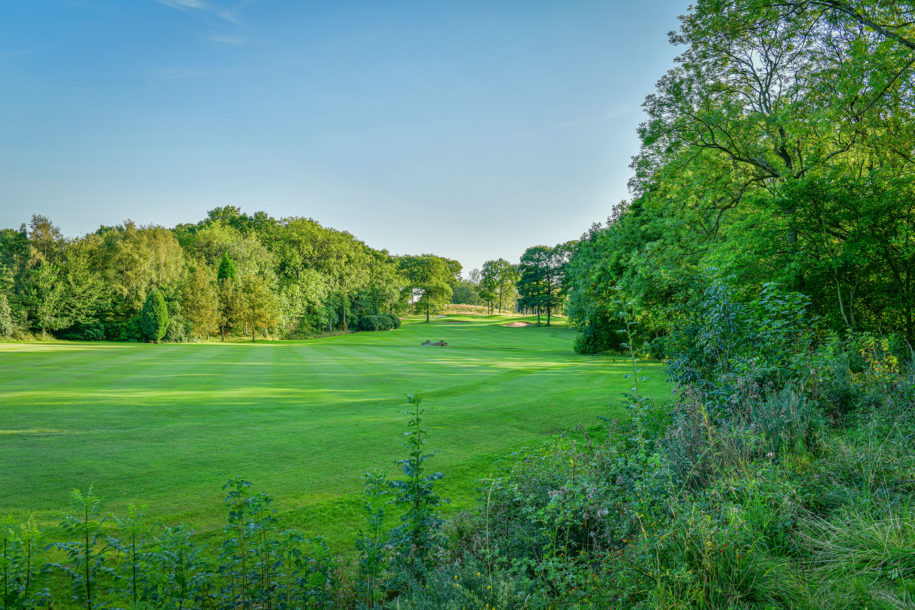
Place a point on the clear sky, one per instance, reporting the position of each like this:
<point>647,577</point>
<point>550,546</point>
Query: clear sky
<point>467,129</point>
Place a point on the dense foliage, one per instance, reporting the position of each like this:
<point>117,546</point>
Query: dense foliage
<point>230,273</point>
<point>780,477</point>
<point>779,150</point>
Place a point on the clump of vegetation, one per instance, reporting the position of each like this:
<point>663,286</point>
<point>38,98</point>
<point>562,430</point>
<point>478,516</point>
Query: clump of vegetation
<point>385,321</point>
<point>744,493</point>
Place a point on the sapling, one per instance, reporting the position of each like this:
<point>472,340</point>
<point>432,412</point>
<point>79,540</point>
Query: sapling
<point>133,547</point>
<point>372,541</point>
<point>19,565</point>
<point>178,572</point>
<point>417,536</point>
<point>250,518</point>
<point>88,548</point>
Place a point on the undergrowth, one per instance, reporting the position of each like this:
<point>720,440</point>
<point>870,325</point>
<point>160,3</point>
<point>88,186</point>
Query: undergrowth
<point>781,476</point>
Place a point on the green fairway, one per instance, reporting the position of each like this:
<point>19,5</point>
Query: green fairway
<point>166,425</point>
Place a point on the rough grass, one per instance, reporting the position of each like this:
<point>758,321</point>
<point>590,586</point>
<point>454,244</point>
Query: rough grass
<point>166,425</point>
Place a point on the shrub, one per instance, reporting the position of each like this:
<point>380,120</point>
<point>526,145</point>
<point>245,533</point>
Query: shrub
<point>726,344</point>
<point>787,421</point>
<point>89,331</point>
<point>129,331</point>
<point>379,322</point>
<point>88,551</point>
<point>20,566</point>
<point>179,330</point>
<point>599,336</point>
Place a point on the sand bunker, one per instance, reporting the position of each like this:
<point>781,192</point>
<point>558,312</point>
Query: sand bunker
<point>518,324</point>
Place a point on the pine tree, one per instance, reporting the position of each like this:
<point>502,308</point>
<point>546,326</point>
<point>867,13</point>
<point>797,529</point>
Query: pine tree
<point>226,268</point>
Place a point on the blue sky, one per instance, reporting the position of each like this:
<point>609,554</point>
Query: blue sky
<point>468,129</point>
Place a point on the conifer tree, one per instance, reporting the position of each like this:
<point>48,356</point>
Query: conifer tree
<point>154,317</point>
<point>226,268</point>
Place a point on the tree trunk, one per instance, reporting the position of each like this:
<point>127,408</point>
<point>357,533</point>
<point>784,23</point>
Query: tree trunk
<point>538,315</point>
<point>548,315</point>
<point>427,313</point>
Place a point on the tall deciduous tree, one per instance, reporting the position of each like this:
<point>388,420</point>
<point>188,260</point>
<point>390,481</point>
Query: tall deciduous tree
<point>259,305</point>
<point>200,301</point>
<point>489,284</point>
<point>431,278</point>
<point>507,276</point>
<point>533,287</point>
<point>46,298</point>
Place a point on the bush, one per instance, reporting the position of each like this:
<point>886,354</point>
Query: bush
<point>178,330</point>
<point>600,336</point>
<point>90,331</point>
<point>380,322</point>
<point>787,421</point>
<point>129,331</point>
<point>727,344</point>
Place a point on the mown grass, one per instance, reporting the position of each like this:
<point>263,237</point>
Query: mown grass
<point>165,425</point>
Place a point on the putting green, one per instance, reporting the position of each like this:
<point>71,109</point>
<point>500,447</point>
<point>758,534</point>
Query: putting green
<point>165,425</point>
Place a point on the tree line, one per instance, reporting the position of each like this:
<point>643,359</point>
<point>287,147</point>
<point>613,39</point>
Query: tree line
<point>234,273</point>
<point>538,284</point>
<point>229,273</point>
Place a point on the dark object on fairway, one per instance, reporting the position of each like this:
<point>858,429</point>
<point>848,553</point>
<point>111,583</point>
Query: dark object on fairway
<point>437,343</point>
